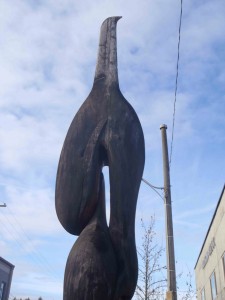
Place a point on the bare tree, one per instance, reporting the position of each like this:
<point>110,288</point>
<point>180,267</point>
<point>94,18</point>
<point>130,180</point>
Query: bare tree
<point>152,278</point>
<point>190,292</point>
<point>151,281</point>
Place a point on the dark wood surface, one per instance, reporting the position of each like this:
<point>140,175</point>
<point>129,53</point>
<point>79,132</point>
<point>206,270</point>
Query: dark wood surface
<point>105,132</point>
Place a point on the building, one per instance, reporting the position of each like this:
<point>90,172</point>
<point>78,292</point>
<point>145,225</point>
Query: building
<point>210,265</point>
<point>6,271</point>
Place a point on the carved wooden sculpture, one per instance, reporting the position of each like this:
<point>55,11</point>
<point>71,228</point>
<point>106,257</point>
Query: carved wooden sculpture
<point>102,264</point>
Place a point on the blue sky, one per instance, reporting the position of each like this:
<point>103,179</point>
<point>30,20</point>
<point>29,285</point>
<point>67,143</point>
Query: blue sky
<point>48,55</point>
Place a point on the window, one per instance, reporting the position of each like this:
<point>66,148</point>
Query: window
<point>213,285</point>
<point>203,294</point>
<point>2,289</point>
<point>223,259</point>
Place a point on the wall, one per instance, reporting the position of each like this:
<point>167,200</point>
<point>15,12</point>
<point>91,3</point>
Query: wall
<point>6,270</point>
<point>210,258</point>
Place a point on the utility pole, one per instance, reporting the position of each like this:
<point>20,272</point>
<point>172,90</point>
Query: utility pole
<point>171,293</point>
<point>3,205</point>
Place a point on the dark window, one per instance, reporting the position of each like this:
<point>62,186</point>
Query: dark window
<point>223,259</point>
<point>2,289</point>
<point>203,294</point>
<point>213,285</point>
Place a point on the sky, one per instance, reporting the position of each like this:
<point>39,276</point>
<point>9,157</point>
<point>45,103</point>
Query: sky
<point>47,58</point>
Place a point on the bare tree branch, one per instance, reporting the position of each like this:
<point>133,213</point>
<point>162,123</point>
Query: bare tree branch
<point>152,278</point>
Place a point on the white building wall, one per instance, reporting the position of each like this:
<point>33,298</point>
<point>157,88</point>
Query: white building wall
<point>211,253</point>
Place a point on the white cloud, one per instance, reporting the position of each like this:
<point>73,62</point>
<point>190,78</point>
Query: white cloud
<point>31,206</point>
<point>48,56</point>
<point>33,283</point>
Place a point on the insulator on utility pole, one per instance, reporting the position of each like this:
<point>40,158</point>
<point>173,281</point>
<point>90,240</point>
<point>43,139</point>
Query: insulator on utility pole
<point>170,255</point>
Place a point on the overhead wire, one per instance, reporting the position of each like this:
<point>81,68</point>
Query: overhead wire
<point>20,241</point>
<point>151,185</point>
<point>173,125</point>
<point>174,105</point>
<point>38,253</point>
<point>176,83</point>
<point>15,237</point>
<point>154,188</point>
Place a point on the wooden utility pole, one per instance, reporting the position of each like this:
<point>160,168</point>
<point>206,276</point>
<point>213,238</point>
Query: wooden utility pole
<point>171,293</point>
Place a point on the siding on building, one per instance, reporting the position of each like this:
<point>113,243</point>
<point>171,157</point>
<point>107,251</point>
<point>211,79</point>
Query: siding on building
<point>210,259</point>
<point>6,271</point>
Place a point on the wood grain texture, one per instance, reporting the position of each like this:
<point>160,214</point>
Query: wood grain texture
<point>105,132</point>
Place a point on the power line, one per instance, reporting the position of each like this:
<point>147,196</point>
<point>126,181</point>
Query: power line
<point>176,84</point>
<point>21,242</point>
<point>36,252</point>
<point>154,188</point>
<point>151,185</point>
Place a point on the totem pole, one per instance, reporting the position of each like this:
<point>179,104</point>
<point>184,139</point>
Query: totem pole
<point>102,264</point>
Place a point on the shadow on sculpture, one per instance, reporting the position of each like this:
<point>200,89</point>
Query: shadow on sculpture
<point>102,264</point>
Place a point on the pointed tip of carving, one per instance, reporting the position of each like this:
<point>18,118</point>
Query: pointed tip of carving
<point>117,18</point>
<point>107,55</point>
<point>114,18</point>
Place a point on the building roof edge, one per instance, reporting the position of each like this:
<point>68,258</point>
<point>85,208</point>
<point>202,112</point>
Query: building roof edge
<point>217,206</point>
<point>7,262</point>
